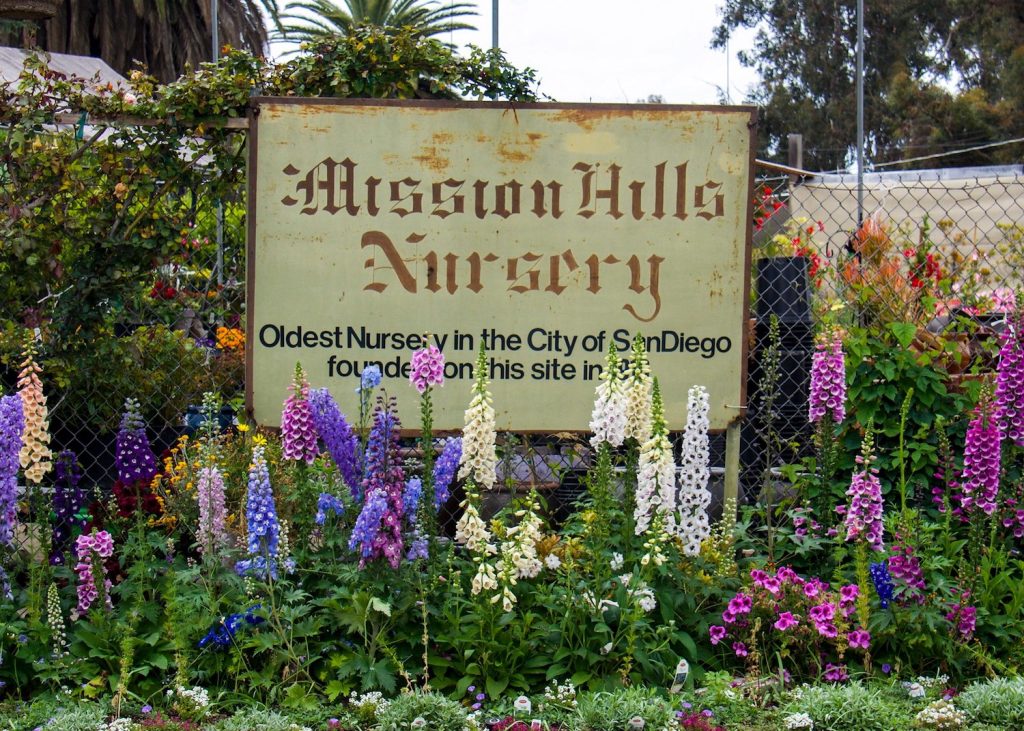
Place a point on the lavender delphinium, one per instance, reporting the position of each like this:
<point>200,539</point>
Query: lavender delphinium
<point>68,504</point>
<point>828,381</point>
<point>411,498</point>
<point>338,437</point>
<point>979,481</point>
<point>298,434</point>
<point>444,470</point>
<point>378,530</point>
<point>134,457</point>
<point>12,423</point>
<point>1009,393</point>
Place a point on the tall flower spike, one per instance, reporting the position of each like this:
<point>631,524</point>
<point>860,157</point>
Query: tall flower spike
<point>68,504</point>
<point>212,533</point>
<point>656,476</point>
<point>339,437</point>
<point>426,368</point>
<point>979,481</point>
<point>864,513</point>
<point>608,421</point>
<point>134,457</point>
<point>263,531</point>
<point>12,423</point>
<point>298,434</point>
<point>1010,378</point>
<point>693,525</point>
<point>378,529</point>
<point>444,470</point>
<point>35,450</point>
<point>828,380</point>
<point>479,458</point>
<point>638,393</point>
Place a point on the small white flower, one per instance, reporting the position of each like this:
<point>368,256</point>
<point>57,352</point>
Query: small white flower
<point>799,721</point>
<point>552,561</point>
<point>606,649</point>
<point>616,562</point>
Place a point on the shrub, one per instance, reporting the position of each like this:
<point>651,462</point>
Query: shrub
<point>998,702</point>
<point>852,707</point>
<point>612,710</point>
<point>439,712</point>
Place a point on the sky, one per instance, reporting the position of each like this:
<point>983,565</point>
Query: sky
<point>614,51</point>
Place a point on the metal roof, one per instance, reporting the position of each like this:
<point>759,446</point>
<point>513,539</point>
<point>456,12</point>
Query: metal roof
<point>12,60</point>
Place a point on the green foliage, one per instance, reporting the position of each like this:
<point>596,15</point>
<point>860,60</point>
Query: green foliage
<point>439,712</point>
<point>612,710</point>
<point>998,702</point>
<point>326,18</point>
<point>254,719</point>
<point>851,707</point>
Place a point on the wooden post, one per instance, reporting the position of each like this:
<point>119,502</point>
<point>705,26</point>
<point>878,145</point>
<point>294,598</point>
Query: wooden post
<point>795,156</point>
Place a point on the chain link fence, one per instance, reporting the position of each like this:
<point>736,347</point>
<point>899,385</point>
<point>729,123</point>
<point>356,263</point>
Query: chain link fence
<point>936,249</point>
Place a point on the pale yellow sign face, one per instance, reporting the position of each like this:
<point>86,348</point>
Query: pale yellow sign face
<point>545,232</point>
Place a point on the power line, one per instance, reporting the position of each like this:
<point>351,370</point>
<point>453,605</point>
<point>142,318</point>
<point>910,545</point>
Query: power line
<point>948,154</point>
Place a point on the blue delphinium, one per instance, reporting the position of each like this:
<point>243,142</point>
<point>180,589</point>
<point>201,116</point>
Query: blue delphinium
<point>364,533</point>
<point>261,520</point>
<point>369,379</point>
<point>883,582</point>
<point>411,498</point>
<point>339,438</point>
<point>444,470</point>
<point>328,502</point>
<point>222,634</point>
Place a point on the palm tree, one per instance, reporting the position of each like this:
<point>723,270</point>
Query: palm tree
<point>321,19</point>
<point>162,35</point>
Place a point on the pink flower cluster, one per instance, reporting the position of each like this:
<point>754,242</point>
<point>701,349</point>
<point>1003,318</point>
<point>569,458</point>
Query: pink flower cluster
<point>864,514</point>
<point>298,432</point>
<point>427,368</point>
<point>905,567</point>
<point>1009,394</point>
<point>963,616</point>
<point>802,611</point>
<point>88,547</point>
<point>979,481</point>
<point>828,381</point>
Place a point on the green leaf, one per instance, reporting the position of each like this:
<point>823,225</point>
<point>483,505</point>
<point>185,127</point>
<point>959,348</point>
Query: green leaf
<point>904,332</point>
<point>380,606</point>
<point>496,686</point>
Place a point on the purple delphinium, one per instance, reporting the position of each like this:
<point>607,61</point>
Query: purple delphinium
<point>338,437</point>
<point>384,483</point>
<point>1009,394</point>
<point>262,527</point>
<point>979,481</point>
<point>444,470</point>
<point>298,434</point>
<point>327,502</point>
<point>134,457</point>
<point>828,381</point>
<point>68,502</point>
<point>12,424</point>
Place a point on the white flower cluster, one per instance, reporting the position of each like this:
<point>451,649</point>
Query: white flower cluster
<point>562,695</point>
<point>472,532</point>
<point>519,558</point>
<point>639,393</point>
<point>368,704</point>
<point>55,619</point>
<point>645,598</point>
<point>608,420</point>
<point>479,459</point>
<point>617,561</point>
<point>656,474</point>
<point>692,524</point>
<point>939,681</point>
<point>485,579</point>
<point>118,724</point>
<point>192,703</point>
<point>941,715</point>
<point>799,721</point>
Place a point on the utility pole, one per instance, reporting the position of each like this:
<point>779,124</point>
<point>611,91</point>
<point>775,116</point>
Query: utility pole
<point>494,24</point>
<point>860,112</point>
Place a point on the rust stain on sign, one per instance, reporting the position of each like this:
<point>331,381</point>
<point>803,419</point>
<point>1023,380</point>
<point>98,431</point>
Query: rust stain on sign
<point>520,149</point>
